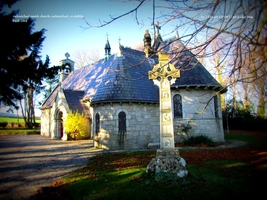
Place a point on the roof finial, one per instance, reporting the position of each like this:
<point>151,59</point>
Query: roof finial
<point>107,49</point>
<point>177,35</point>
<point>119,54</point>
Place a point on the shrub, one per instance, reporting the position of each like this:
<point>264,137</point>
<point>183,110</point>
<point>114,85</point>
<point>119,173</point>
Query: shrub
<point>199,140</point>
<point>76,126</point>
<point>242,118</point>
<point>183,130</point>
<point>3,124</point>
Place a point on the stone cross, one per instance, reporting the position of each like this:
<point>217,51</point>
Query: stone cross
<point>164,74</point>
<point>158,28</point>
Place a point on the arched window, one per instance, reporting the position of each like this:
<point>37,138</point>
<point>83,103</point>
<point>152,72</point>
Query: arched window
<point>97,123</point>
<point>216,107</point>
<point>122,122</point>
<point>122,129</point>
<point>60,124</point>
<point>177,106</point>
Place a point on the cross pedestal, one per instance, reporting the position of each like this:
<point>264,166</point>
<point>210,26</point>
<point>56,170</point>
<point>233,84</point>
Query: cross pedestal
<point>167,159</point>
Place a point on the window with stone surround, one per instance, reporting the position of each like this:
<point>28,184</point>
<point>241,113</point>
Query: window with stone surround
<point>97,123</point>
<point>215,98</point>
<point>177,106</point>
<point>122,122</point>
<point>122,129</point>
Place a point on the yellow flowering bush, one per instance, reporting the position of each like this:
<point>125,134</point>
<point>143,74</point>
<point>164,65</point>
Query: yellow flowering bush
<point>76,125</point>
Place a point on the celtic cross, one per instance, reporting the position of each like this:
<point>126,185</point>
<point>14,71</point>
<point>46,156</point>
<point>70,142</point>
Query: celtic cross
<point>164,74</point>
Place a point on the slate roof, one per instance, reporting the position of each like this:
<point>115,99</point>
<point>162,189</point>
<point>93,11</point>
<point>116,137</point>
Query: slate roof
<point>127,80</point>
<point>192,72</point>
<point>73,99</point>
<point>86,79</point>
<point>124,77</point>
<point>83,82</point>
<point>48,103</point>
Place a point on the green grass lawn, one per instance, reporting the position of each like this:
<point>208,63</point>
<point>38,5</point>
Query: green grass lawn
<point>17,131</point>
<point>15,119</point>
<point>233,173</point>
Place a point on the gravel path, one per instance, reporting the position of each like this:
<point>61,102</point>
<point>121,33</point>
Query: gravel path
<point>30,162</point>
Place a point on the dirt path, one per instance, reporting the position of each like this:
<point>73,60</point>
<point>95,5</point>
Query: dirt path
<point>30,162</point>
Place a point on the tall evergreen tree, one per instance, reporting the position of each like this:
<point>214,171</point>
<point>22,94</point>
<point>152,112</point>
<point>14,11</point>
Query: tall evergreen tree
<point>21,68</point>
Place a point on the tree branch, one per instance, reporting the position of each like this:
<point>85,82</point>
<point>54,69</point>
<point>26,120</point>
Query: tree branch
<point>112,18</point>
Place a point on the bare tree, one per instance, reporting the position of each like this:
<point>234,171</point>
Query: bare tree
<point>219,65</point>
<point>259,85</point>
<point>83,58</point>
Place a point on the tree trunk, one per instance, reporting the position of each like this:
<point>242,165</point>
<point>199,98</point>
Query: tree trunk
<point>28,110</point>
<point>261,107</point>
<point>31,115</point>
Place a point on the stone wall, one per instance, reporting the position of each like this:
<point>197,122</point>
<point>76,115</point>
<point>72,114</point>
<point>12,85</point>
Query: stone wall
<point>45,122</point>
<point>208,127</point>
<point>199,113</point>
<point>142,122</point>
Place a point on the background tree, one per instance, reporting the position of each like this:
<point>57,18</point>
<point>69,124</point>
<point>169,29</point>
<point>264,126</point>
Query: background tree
<point>220,65</point>
<point>22,70</point>
<point>82,58</point>
<point>47,89</point>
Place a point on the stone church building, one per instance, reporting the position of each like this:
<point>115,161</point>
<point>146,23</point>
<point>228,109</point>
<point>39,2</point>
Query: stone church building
<point>122,104</point>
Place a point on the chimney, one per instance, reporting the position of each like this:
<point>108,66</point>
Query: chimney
<point>147,44</point>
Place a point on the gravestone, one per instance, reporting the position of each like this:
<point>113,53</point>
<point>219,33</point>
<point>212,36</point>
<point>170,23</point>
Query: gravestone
<point>167,158</point>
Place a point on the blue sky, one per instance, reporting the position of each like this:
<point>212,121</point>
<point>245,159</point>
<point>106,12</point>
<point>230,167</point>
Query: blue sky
<point>64,32</point>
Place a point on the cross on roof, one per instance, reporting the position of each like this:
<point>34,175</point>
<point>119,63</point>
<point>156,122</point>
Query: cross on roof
<point>157,27</point>
<point>67,55</point>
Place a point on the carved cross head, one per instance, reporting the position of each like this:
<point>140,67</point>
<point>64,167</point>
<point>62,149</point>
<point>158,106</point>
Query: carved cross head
<point>164,69</point>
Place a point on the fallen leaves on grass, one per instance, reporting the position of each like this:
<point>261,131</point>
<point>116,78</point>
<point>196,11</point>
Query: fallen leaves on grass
<point>118,162</point>
<point>199,156</point>
<point>56,189</point>
<point>247,153</point>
